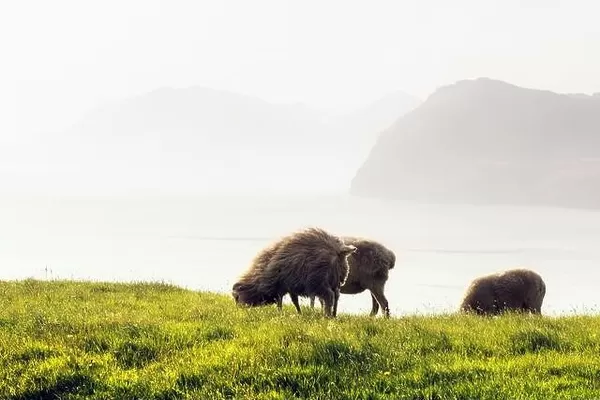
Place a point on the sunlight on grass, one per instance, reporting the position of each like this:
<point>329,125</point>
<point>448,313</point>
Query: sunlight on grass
<point>76,340</point>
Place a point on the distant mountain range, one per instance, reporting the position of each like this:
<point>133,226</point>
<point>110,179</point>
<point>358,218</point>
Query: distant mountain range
<point>485,141</point>
<point>199,138</point>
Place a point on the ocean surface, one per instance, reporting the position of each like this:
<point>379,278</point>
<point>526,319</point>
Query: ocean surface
<point>205,242</point>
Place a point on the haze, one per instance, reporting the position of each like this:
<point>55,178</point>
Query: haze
<point>62,58</point>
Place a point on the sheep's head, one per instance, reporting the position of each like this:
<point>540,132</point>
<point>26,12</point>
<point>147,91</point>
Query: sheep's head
<point>235,293</point>
<point>249,295</point>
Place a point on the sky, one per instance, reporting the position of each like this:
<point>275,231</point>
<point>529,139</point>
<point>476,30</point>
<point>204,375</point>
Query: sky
<point>63,58</point>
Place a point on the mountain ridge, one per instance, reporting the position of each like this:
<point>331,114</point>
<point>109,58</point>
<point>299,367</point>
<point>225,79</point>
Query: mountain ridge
<point>488,141</point>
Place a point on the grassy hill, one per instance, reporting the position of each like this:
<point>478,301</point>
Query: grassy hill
<point>74,340</point>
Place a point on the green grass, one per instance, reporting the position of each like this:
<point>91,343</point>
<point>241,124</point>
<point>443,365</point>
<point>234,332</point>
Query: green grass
<point>75,340</point>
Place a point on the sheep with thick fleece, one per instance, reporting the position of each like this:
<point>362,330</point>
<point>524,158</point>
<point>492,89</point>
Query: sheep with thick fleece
<point>310,262</point>
<point>516,290</point>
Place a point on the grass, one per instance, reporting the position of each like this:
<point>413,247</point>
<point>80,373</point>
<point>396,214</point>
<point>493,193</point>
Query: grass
<point>75,340</point>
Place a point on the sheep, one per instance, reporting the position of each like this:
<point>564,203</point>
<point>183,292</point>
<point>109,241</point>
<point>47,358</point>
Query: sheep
<point>516,289</point>
<point>369,268</point>
<point>310,262</point>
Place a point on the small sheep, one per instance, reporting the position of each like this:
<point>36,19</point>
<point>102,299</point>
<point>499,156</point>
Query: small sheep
<point>516,289</point>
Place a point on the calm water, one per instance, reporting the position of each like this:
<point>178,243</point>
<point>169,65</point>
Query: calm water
<point>204,243</point>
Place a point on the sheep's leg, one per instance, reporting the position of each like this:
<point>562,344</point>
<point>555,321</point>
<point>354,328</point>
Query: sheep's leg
<point>312,302</point>
<point>380,297</point>
<point>280,302</point>
<point>328,299</point>
<point>336,298</point>
<point>534,309</point>
<point>295,301</point>
<point>320,302</point>
<point>375,306</point>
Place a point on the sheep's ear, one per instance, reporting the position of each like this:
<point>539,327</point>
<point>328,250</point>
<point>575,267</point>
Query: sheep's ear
<point>348,249</point>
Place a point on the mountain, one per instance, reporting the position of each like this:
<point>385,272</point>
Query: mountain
<point>486,141</point>
<point>203,139</point>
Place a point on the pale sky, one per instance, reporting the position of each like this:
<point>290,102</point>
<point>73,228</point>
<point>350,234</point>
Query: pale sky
<point>61,58</point>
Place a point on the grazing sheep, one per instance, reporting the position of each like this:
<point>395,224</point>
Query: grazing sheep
<point>369,267</point>
<point>517,290</point>
<point>311,262</point>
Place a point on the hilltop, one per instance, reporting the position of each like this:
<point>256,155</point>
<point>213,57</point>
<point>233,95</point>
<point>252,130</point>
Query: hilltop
<point>82,340</point>
<point>486,141</point>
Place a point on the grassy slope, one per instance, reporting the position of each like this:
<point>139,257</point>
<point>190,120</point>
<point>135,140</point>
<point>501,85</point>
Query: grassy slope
<point>154,341</point>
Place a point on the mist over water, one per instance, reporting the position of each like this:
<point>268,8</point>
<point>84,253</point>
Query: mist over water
<point>205,242</point>
<point>425,101</point>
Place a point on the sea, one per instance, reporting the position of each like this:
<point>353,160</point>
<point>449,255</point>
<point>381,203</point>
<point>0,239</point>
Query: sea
<point>204,242</point>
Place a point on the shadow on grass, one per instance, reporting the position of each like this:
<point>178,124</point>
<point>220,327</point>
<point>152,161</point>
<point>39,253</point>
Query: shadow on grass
<point>336,354</point>
<point>69,383</point>
<point>218,333</point>
<point>135,355</point>
<point>534,341</point>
